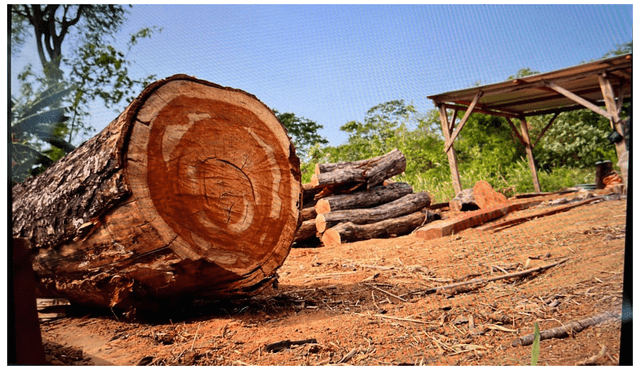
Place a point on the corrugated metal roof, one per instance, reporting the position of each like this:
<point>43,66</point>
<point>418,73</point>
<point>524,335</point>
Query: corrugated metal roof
<point>532,95</point>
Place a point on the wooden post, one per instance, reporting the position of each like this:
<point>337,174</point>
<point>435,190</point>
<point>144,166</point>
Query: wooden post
<point>451,154</point>
<point>612,109</point>
<point>529,149</point>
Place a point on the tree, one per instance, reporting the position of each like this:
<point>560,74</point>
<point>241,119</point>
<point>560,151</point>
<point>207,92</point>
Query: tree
<point>304,133</point>
<point>96,70</point>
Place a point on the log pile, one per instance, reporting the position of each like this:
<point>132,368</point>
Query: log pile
<point>192,191</point>
<point>354,201</point>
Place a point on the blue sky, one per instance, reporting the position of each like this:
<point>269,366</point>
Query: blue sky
<point>331,63</point>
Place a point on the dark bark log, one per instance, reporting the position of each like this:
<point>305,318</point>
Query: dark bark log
<point>307,230</point>
<point>308,213</point>
<point>346,232</point>
<point>309,192</point>
<point>370,172</point>
<point>194,190</point>
<point>364,199</point>
<point>402,206</point>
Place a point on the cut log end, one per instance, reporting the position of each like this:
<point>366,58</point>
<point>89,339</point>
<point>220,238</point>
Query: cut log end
<point>216,168</point>
<point>321,223</point>
<point>331,238</point>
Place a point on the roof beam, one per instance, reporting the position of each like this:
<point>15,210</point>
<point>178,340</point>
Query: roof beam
<point>460,106</point>
<point>578,99</point>
<point>464,120</point>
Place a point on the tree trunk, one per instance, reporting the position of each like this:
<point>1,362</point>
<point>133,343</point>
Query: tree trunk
<point>360,200</point>
<point>348,231</point>
<point>402,206</point>
<point>194,190</point>
<point>371,171</point>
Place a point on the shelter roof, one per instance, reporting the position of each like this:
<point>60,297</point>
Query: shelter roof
<point>534,95</point>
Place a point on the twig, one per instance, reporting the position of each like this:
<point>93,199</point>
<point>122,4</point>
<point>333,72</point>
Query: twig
<point>595,359</point>
<point>195,337</point>
<point>483,281</point>
<point>401,319</point>
<point>565,330</point>
<point>278,346</point>
<point>349,355</point>
<point>386,292</point>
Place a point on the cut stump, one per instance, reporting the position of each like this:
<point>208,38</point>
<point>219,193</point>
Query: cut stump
<point>194,190</point>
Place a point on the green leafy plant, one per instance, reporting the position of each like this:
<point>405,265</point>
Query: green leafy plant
<point>535,347</point>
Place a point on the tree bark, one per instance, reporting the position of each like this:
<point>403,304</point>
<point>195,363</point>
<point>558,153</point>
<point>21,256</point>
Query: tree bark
<point>308,213</point>
<point>402,206</point>
<point>348,231</point>
<point>370,172</point>
<point>364,199</point>
<point>464,201</point>
<point>307,230</point>
<point>194,190</point>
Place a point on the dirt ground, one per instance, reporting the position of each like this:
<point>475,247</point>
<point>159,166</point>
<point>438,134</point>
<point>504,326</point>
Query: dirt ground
<point>370,303</point>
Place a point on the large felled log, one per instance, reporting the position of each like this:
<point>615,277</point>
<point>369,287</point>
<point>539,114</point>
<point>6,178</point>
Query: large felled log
<point>370,171</point>
<point>367,198</point>
<point>402,206</point>
<point>194,190</point>
<point>346,232</point>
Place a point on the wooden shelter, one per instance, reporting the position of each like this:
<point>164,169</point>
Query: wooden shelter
<point>605,82</point>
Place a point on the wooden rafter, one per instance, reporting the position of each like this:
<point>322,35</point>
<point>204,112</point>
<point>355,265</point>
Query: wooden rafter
<point>529,150</point>
<point>546,128</point>
<point>515,130</point>
<point>578,99</point>
<point>451,155</point>
<point>463,121</point>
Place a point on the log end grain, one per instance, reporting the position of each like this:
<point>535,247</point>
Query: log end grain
<point>331,237</point>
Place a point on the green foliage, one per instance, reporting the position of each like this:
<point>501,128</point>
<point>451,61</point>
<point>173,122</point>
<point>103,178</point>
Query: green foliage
<point>487,149</point>
<point>304,133</point>
<point>51,108</point>
<point>575,139</point>
<point>535,347</point>
<point>36,120</point>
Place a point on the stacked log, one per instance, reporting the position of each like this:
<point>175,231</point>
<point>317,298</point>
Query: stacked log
<point>193,191</point>
<point>356,202</point>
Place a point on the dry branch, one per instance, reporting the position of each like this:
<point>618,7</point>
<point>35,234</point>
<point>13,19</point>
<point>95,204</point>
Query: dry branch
<point>477,282</point>
<point>567,329</point>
